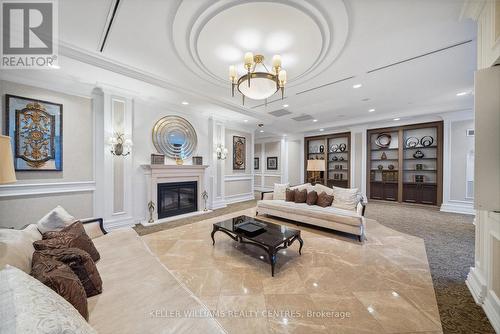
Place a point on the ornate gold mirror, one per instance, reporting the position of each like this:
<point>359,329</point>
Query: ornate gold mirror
<point>175,137</point>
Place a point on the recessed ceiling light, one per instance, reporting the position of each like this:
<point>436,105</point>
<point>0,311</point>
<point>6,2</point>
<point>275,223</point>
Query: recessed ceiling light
<point>371,110</point>
<point>321,130</point>
<point>396,119</point>
<point>185,103</point>
<point>315,120</point>
<point>261,131</point>
<point>357,86</point>
<point>462,93</point>
<point>245,120</point>
<point>285,106</point>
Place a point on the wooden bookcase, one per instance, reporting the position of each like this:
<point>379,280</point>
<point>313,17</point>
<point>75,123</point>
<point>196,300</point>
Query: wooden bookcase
<point>405,170</point>
<point>334,150</point>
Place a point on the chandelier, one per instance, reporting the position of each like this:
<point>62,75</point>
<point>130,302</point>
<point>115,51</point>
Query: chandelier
<point>258,85</point>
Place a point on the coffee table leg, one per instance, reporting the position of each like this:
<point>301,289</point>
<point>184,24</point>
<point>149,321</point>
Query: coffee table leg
<point>272,259</point>
<point>215,229</point>
<point>301,243</point>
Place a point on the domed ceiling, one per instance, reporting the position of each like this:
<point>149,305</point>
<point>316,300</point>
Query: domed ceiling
<point>308,37</point>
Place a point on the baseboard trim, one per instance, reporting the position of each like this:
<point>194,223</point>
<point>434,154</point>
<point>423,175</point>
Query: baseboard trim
<point>219,204</point>
<point>476,284</point>
<point>28,189</point>
<point>466,208</point>
<point>239,198</point>
<point>114,224</point>
<point>491,307</point>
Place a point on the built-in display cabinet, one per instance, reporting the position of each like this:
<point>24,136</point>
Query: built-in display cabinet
<point>405,163</point>
<point>333,150</point>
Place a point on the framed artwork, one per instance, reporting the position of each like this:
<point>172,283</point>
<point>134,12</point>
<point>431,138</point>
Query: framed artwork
<point>272,163</point>
<point>35,127</point>
<point>256,163</point>
<point>239,153</point>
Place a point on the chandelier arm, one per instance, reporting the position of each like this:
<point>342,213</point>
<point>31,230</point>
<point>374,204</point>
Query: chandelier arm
<point>265,67</point>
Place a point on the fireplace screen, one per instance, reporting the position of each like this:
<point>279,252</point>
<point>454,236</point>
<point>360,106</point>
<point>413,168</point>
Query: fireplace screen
<point>177,198</point>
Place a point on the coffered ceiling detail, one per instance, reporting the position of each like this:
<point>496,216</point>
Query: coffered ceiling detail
<point>209,36</point>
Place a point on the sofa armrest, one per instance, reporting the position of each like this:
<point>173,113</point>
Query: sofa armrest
<point>94,227</point>
<point>267,195</point>
<point>360,208</point>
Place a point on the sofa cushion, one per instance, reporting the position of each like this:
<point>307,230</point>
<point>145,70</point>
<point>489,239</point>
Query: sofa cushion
<point>322,188</point>
<point>60,278</point>
<point>138,288</point>
<point>16,247</point>
<point>55,220</point>
<point>300,196</point>
<point>345,198</point>
<point>306,186</point>
<point>28,306</point>
<point>324,200</point>
<point>80,262</point>
<point>71,236</point>
<point>312,197</point>
<point>290,195</point>
<point>330,213</point>
<point>280,190</point>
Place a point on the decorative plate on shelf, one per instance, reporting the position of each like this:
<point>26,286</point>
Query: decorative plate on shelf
<point>426,141</point>
<point>411,142</point>
<point>383,140</point>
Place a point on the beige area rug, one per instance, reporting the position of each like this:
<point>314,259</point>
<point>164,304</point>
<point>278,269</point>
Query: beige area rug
<point>337,285</point>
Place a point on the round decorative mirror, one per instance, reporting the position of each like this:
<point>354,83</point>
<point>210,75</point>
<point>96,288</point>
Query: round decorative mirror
<point>175,137</point>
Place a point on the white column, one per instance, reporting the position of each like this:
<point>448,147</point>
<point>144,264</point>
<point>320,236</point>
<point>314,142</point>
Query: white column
<point>99,151</point>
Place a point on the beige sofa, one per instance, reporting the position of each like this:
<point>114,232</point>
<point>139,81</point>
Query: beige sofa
<point>344,215</point>
<point>140,295</point>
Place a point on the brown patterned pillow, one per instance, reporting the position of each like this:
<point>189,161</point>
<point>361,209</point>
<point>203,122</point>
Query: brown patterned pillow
<point>290,195</point>
<point>60,278</point>
<point>80,262</point>
<point>300,196</point>
<point>324,200</point>
<point>312,197</point>
<point>71,236</point>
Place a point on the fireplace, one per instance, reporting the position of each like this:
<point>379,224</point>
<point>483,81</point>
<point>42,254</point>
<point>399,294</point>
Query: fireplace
<point>177,198</point>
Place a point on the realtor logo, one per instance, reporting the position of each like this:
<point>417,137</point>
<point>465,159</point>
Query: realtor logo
<point>29,34</point>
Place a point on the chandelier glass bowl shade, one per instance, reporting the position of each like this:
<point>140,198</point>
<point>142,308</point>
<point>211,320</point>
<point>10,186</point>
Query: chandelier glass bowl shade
<point>257,85</point>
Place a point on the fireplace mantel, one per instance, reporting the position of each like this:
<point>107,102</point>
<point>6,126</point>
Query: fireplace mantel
<point>156,174</point>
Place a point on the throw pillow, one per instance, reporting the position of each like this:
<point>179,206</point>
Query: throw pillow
<point>16,247</point>
<point>312,197</point>
<point>280,191</point>
<point>80,262</point>
<point>345,198</point>
<point>60,278</point>
<point>290,195</point>
<point>324,200</point>
<point>300,196</point>
<point>28,306</point>
<point>55,220</point>
<point>70,236</point>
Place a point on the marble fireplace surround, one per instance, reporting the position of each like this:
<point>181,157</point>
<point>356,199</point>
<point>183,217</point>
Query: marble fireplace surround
<point>156,174</point>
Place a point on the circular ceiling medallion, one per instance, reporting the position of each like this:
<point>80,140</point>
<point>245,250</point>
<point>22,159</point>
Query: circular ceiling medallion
<point>210,35</point>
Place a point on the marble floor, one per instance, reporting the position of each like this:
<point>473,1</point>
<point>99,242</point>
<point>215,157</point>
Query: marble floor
<point>336,286</point>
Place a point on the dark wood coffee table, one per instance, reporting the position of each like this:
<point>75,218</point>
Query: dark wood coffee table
<point>271,238</point>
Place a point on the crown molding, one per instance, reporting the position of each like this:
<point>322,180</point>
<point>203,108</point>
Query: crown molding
<point>114,66</point>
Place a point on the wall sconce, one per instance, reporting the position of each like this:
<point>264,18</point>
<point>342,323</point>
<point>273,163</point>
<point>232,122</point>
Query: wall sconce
<point>221,152</point>
<point>119,145</point>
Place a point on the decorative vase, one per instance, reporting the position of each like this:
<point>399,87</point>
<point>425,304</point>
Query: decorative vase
<point>380,167</point>
<point>391,167</point>
<point>418,154</point>
<point>179,161</point>
<point>321,149</point>
<point>383,156</point>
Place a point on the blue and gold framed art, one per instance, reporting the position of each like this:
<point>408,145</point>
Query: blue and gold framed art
<point>35,128</point>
